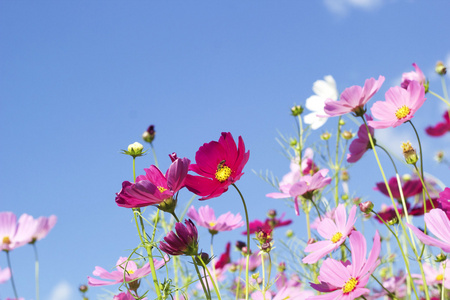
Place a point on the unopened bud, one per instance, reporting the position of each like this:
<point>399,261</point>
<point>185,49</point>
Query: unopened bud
<point>344,197</point>
<point>347,135</point>
<point>149,135</point>
<point>232,268</point>
<point>272,213</point>
<point>406,177</point>
<point>440,257</point>
<point>202,257</point>
<point>281,267</point>
<point>439,157</point>
<point>134,150</point>
<point>289,233</point>
<point>409,153</point>
<point>311,241</point>
<point>266,247</point>
<point>341,122</point>
<point>245,251</point>
<point>393,221</point>
<point>255,275</point>
<point>293,142</point>
<point>366,207</point>
<point>296,110</point>
<point>440,68</point>
<point>344,175</point>
<point>356,200</point>
<point>83,288</point>
<point>240,245</point>
<point>325,136</point>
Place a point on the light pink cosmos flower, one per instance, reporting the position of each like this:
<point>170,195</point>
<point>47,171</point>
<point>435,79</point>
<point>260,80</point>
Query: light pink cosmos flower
<point>434,276</point>
<point>399,107</point>
<point>205,217</point>
<point>125,269</point>
<point>154,188</point>
<point>354,98</point>
<point>291,293</point>
<point>43,225</point>
<point>348,280</point>
<point>334,231</point>
<point>126,296</point>
<point>361,144</point>
<point>5,274</point>
<point>395,284</point>
<point>254,261</point>
<point>438,223</point>
<point>14,234</point>
<point>417,75</point>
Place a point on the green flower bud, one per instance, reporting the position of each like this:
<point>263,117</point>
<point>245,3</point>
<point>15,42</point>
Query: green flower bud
<point>325,136</point>
<point>289,233</point>
<point>441,257</point>
<point>296,110</point>
<point>440,68</point>
<point>409,153</point>
<point>347,135</point>
<point>135,150</point>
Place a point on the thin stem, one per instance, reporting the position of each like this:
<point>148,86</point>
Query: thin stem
<point>154,155</point>
<point>208,296</point>
<point>11,271</point>
<point>213,262</point>
<point>247,286</point>
<point>425,188</point>
<point>444,265</point>
<point>206,279</point>
<point>36,270</point>
<point>270,268</point>
<point>444,87</point>
<point>238,284</point>
<point>440,97</point>
<point>216,289</point>
<point>263,289</point>
<point>336,164</point>
<point>308,221</point>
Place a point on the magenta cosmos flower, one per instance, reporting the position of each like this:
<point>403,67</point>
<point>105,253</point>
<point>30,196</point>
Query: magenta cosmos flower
<point>345,280</point>
<point>410,188</point>
<point>361,144</point>
<point>154,188</point>
<point>185,241</point>
<point>126,296</point>
<point>268,225</point>
<point>438,223</point>
<point>334,231</point>
<point>224,258</point>
<point>354,98</point>
<point>417,75</point>
<point>399,107</point>
<point>219,165</point>
<point>125,269</point>
<point>205,217</point>
<point>440,128</point>
<point>444,201</point>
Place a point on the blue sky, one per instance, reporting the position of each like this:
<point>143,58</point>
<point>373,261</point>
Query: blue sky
<point>81,80</point>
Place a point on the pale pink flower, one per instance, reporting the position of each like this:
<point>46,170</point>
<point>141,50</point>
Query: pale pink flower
<point>438,223</point>
<point>345,280</point>
<point>125,269</point>
<point>417,75</point>
<point>353,99</point>
<point>434,275</point>
<point>399,107</point>
<point>254,261</point>
<point>291,293</point>
<point>43,225</point>
<point>395,284</point>
<point>205,217</point>
<point>334,231</point>
<point>126,296</point>
<point>14,234</point>
<point>329,214</point>
<point>5,274</point>
<point>361,144</point>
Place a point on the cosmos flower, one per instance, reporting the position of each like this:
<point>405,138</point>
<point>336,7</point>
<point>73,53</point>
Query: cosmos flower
<point>224,258</point>
<point>387,213</point>
<point>268,224</point>
<point>13,233</point>
<point>185,241</point>
<point>438,223</point>
<point>434,276</point>
<point>353,99</point>
<point>43,225</point>
<point>154,188</point>
<point>440,128</point>
<point>399,107</point>
<point>410,188</point>
<point>219,165</point>
<point>126,296</point>
<point>361,144</point>
<point>5,274</point>
<point>323,89</point>
<point>125,269</point>
<point>291,293</point>
<point>205,217</point>
<point>444,201</point>
<point>417,75</point>
<point>345,280</point>
<point>334,231</point>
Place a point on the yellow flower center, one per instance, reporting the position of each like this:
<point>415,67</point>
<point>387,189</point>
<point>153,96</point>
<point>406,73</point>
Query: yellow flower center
<point>161,189</point>
<point>440,277</point>
<point>349,285</point>
<point>222,173</point>
<point>6,240</point>
<point>130,272</point>
<point>402,112</point>
<point>336,237</point>
<point>212,224</point>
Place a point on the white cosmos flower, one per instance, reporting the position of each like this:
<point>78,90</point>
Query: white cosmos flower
<point>324,89</point>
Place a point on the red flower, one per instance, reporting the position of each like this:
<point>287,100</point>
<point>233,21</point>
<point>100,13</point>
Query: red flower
<point>219,165</point>
<point>440,128</point>
<point>224,258</point>
<point>268,224</point>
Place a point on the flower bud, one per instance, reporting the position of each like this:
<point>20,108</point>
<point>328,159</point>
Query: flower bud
<point>272,213</point>
<point>441,257</point>
<point>266,247</point>
<point>240,245</point>
<point>356,200</point>
<point>406,177</point>
<point>259,280</point>
<point>344,175</point>
<point>293,142</point>
<point>325,136</point>
<point>245,251</point>
<point>393,221</point>
<point>296,110</point>
<point>341,122</point>
<point>83,288</point>
<point>202,257</point>
<point>135,150</point>
<point>440,68</point>
<point>311,241</point>
<point>347,135</point>
<point>409,153</point>
<point>366,207</point>
<point>344,197</point>
<point>281,267</point>
<point>149,135</point>
<point>255,275</point>
<point>232,268</point>
<point>289,233</point>
<point>439,157</point>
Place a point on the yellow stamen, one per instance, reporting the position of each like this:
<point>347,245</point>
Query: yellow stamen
<point>440,277</point>
<point>349,285</point>
<point>336,237</point>
<point>402,112</point>
<point>130,272</point>
<point>222,173</point>
<point>6,240</point>
<point>161,189</point>
<point>212,224</point>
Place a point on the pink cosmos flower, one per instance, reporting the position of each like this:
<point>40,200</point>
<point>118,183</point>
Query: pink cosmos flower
<point>335,232</point>
<point>291,293</point>
<point>440,128</point>
<point>268,224</point>
<point>125,268</point>
<point>219,165</point>
<point>126,296</point>
<point>185,241</point>
<point>434,276</point>
<point>329,214</point>
<point>14,234</point>
<point>307,167</point>
<point>205,217</point>
<point>361,144</point>
<point>410,188</point>
<point>43,225</point>
<point>354,98</point>
<point>395,284</point>
<point>154,188</point>
<point>345,280</point>
<point>5,274</point>
<point>387,213</point>
<point>417,75</point>
<point>438,223</point>
<point>444,201</point>
<point>399,107</point>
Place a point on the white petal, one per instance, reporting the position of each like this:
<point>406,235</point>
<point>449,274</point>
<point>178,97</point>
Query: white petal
<point>315,103</point>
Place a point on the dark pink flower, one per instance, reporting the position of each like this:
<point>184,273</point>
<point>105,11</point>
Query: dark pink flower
<point>361,144</point>
<point>417,75</point>
<point>126,296</point>
<point>225,258</point>
<point>410,188</point>
<point>354,98</point>
<point>444,201</point>
<point>185,241</point>
<point>268,224</point>
<point>399,107</point>
<point>440,128</point>
<point>219,165</point>
<point>154,188</point>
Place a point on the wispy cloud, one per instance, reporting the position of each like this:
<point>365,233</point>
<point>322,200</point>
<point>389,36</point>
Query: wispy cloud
<point>62,291</point>
<point>342,7</point>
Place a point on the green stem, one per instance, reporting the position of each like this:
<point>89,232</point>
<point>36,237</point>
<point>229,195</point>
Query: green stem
<point>11,271</point>
<point>336,164</point>
<point>440,97</point>
<point>308,221</point>
<point>208,296</point>
<point>270,268</point>
<point>216,289</point>
<point>444,87</point>
<point>154,155</point>
<point>247,254</point>
<point>263,289</point>
<point>36,270</point>
<point>238,285</point>
<point>444,265</point>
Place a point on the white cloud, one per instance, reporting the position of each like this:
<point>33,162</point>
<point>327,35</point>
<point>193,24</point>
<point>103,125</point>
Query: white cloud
<point>342,7</point>
<point>62,291</point>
